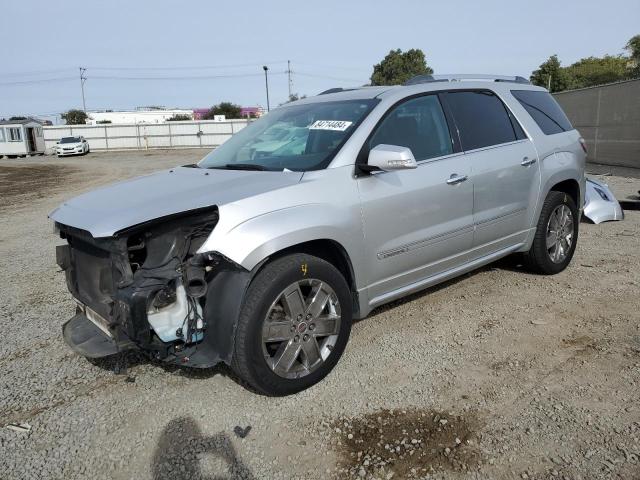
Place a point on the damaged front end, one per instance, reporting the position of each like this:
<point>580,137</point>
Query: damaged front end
<point>600,204</point>
<point>147,287</point>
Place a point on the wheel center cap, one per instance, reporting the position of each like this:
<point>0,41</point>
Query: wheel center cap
<point>302,327</point>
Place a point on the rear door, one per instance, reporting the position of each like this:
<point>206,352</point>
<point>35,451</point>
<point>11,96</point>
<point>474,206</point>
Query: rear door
<point>504,166</point>
<point>417,222</point>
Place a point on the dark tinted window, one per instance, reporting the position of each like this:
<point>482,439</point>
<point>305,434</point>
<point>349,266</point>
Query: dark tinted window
<point>481,118</point>
<point>520,135</point>
<point>419,124</point>
<point>544,110</point>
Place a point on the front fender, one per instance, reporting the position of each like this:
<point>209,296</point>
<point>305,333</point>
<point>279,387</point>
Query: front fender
<point>253,240</point>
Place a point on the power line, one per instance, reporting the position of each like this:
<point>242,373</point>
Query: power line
<point>35,73</point>
<point>197,67</point>
<point>42,80</point>
<point>181,77</point>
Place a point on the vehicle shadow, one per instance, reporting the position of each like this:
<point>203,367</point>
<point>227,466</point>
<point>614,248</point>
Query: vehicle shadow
<point>121,363</point>
<point>182,447</point>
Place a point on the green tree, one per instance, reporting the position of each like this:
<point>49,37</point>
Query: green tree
<point>592,71</point>
<point>179,118</point>
<point>633,47</point>
<point>228,109</point>
<point>75,117</point>
<point>293,97</point>
<point>398,67</point>
<point>550,75</point>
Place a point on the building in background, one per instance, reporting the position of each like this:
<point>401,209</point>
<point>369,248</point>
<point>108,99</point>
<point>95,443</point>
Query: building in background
<point>21,138</point>
<point>139,115</point>
<point>246,112</point>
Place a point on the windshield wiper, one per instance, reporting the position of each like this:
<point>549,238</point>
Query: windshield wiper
<point>243,166</point>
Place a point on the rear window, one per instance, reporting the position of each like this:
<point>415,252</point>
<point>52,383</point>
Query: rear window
<point>482,119</point>
<point>544,109</point>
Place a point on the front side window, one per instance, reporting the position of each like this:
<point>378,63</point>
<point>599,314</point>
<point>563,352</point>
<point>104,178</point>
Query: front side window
<point>482,119</point>
<point>2,140</point>
<point>297,137</point>
<point>15,134</point>
<point>544,110</point>
<point>418,124</point>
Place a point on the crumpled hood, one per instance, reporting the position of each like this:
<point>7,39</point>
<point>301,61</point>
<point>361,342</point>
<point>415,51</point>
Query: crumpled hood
<point>107,210</point>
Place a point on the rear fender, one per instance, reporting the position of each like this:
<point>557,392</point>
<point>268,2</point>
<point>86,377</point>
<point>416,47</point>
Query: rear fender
<point>556,168</point>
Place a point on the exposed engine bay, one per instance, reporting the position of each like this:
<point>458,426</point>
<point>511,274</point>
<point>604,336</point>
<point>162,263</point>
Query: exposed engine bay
<point>147,287</point>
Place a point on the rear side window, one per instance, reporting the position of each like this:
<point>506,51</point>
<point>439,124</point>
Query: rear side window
<point>544,109</point>
<point>482,119</point>
<point>418,124</point>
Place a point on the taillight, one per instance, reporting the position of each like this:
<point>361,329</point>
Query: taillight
<point>583,144</point>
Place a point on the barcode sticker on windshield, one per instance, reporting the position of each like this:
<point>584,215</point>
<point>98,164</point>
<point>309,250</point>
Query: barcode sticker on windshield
<point>337,125</point>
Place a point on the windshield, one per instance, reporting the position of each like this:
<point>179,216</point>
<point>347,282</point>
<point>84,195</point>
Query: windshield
<point>70,140</point>
<point>297,137</point>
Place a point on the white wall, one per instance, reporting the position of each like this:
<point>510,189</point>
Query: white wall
<point>138,116</point>
<point>188,134</point>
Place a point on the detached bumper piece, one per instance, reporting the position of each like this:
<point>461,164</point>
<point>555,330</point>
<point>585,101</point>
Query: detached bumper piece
<point>85,338</point>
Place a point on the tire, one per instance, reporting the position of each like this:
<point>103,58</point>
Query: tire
<point>266,307</point>
<point>546,256</point>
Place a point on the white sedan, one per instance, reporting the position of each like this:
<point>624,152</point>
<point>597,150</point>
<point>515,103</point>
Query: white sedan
<point>72,146</point>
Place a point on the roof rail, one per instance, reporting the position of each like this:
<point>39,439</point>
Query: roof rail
<point>336,90</point>
<point>465,76</point>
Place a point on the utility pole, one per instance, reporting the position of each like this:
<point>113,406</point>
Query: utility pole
<point>290,80</point>
<point>266,84</point>
<point>82,80</point>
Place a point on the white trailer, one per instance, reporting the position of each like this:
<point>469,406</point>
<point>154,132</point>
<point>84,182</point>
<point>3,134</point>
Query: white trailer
<point>19,138</point>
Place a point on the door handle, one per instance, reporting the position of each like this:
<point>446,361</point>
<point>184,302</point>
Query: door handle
<point>526,161</point>
<point>454,179</point>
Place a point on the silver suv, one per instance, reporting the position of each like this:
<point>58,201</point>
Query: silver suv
<point>262,254</point>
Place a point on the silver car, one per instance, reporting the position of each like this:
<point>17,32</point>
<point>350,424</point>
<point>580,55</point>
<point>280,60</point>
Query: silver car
<point>262,254</point>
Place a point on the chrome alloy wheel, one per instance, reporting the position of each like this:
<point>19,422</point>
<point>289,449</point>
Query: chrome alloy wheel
<point>301,328</point>
<point>559,233</point>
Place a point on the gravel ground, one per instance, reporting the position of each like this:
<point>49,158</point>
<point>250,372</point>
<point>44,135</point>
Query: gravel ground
<point>498,374</point>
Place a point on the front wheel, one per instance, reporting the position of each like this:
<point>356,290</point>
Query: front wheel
<point>293,326</point>
<point>556,235</point>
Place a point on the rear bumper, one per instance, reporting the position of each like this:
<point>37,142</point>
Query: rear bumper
<point>86,339</point>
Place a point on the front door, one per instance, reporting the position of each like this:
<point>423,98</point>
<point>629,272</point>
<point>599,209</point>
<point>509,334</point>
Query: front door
<point>419,222</point>
<point>31,139</point>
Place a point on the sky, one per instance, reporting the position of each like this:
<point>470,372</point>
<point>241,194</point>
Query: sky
<point>147,52</point>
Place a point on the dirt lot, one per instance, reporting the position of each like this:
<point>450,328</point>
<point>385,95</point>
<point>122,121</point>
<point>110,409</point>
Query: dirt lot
<point>498,374</point>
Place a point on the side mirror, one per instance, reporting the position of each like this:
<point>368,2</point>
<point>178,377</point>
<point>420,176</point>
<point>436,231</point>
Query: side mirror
<point>389,158</point>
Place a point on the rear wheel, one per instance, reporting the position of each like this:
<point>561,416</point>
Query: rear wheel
<point>556,235</point>
<point>294,325</point>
